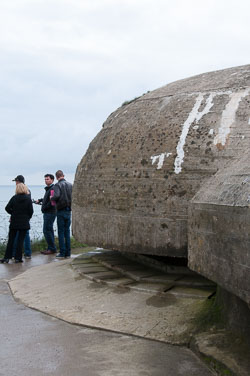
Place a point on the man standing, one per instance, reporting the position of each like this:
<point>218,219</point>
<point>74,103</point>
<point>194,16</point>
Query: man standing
<point>27,245</point>
<point>49,214</point>
<point>62,197</point>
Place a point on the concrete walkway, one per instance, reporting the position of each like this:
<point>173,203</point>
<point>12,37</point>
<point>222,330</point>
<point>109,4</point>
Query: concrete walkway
<point>33,343</point>
<point>104,289</point>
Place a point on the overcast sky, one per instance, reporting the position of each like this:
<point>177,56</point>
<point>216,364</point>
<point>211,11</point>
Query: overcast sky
<point>67,64</point>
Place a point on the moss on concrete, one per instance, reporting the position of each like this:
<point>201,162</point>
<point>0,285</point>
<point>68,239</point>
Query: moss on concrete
<point>210,315</point>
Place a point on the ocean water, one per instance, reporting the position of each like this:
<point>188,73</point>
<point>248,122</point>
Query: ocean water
<point>36,222</point>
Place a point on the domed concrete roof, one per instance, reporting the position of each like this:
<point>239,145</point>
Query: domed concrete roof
<point>153,155</point>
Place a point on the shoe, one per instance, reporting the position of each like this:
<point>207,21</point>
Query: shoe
<point>27,257</point>
<point>4,261</point>
<point>17,261</point>
<point>48,252</point>
<point>59,256</point>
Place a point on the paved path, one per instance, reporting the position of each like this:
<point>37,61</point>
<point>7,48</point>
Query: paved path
<point>33,343</point>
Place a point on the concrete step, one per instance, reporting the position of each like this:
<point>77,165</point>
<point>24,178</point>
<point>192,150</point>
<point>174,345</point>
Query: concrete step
<point>114,270</point>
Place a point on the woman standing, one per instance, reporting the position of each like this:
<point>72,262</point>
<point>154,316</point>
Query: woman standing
<point>21,210</point>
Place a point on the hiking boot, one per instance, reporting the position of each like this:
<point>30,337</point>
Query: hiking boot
<point>48,252</point>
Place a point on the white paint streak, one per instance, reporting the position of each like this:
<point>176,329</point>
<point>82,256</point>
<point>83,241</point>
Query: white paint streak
<point>228,116</point>
<point>160,159</point>
<point>208,106</point>
<point>194,115</point>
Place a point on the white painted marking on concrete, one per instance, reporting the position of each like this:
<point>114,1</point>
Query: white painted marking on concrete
<point>194,115</point>
<point>211,131</point>
<point>228,116</point>
<point>160,159</point>
<point>208,106</point>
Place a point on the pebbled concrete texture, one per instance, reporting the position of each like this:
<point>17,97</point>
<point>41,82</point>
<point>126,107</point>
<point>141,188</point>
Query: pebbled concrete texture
<point>69,291</point>
<point>133,186</point>
<point>34,343</point>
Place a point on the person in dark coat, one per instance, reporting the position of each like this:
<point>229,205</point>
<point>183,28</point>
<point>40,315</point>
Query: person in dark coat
<point>21,210</point>
<point>49,214</point>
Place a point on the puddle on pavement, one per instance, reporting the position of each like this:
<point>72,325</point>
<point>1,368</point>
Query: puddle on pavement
<point>96,285</point>
<point>161,301</point>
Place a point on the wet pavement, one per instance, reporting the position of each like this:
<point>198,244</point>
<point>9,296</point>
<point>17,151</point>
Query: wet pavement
<point>33,343</point>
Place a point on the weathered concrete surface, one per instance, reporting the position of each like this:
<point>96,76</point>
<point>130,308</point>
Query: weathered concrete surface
<point>221,348</point>
<point>219,223</point>
<point>61,292</point>
<point>133,187</point>
<point>80,301</point>
<point>33,343</point>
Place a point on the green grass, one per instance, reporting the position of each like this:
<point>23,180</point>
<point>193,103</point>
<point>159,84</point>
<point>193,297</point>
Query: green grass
<point>38,245</point>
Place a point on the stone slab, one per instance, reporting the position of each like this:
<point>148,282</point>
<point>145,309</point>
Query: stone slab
<point>80,261</point>
<point>100,276</point>
<point>85,265</point>
<point>119,282</point>
<point>191,292</point>
<point>152,287</point>
<point>90,270</point>
<point>160,278</point>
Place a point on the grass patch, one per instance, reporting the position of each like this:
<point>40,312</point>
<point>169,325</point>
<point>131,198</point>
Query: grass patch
<point>133,100</point>
<point>38,245</point>
<point>41,245</point>
<point>217,367</point>
<point>2,249</point>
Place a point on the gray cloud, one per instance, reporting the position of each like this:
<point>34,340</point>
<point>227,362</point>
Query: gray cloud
<point>65,65</point>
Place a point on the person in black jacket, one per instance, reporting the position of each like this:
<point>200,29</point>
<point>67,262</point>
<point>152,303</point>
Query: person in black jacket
<point>62,198</point>
<point>49,214</point>
<point>21,210</point>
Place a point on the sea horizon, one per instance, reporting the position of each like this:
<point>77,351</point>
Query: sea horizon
<point>36,222</point>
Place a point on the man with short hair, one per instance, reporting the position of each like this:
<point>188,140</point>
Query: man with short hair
<point>49,214</point>
<point>27,245</point>
<point>62,197</point>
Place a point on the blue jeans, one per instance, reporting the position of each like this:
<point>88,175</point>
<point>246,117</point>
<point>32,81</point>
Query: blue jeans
<point>15,236</point>
<point>63,226</point>
<point>48,231</point>
<point>27,246</point>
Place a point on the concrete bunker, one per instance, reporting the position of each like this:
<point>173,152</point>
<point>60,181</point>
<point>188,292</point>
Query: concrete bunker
<point>169,175</point>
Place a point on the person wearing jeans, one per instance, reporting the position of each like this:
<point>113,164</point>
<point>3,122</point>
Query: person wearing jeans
<point>62,197</point>
<point>63,225</point>
<point>27,245</point>
<point>21,210</point>
<point>49,214</point>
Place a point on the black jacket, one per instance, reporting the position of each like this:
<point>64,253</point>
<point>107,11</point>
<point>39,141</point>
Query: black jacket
<point>21,210</point>
<point>62,194</point>
<point>46,203</point>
